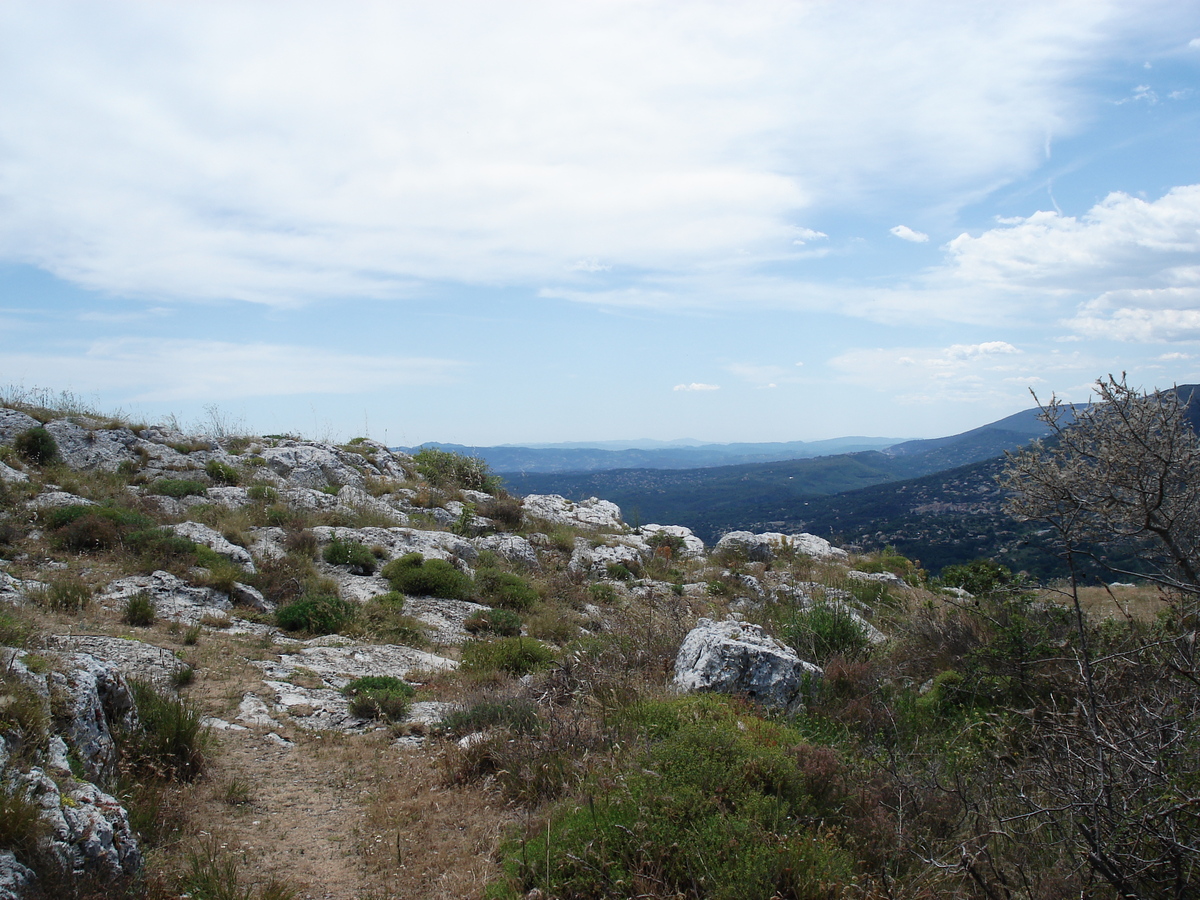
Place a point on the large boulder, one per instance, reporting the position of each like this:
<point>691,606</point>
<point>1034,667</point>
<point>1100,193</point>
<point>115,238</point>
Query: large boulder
<point>313,465</point>
<point>754,547</point>
<point>199,533</point>
<point>691,547</point>
<point>14,422</point>
<point>738,658</point>
<point>93,448</point>
<point>590,513</point>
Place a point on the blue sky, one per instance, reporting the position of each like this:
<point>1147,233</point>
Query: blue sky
<point>527,222</point>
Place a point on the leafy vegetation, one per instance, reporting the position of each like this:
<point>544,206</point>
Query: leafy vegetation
<point>379,697</point>
<point>420,577</point>
<point>352,554</point>
<point>444,468</point>
<point>316,614</point>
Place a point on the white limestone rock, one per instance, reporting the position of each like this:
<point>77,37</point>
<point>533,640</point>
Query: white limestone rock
<point>890,578</point>
<point>590,513</point>
<point>511,547</point>
<point>132,659</point>
<point>89,829</point>
<point>11,475</point>
<point>97,701</point>
<point>201,534</point>
<point>399,541</point>
<point>305,464</point>
<point>692,545</point>
<point>595,561</point>
<point>739,658</point>
<point>15,878</point>
<point>173,597</point>
<point>13,422</point>
<point>91,449</point>
<point>808,544</point>
<point>754,547</point>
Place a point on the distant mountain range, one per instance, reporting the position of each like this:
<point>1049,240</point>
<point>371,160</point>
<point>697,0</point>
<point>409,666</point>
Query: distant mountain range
<point>935,500</point>
<point>684,454</point>
<point>774,495</point>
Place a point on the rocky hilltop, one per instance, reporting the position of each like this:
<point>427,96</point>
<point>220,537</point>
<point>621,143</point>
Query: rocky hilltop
<point>282,591</point>
<point>262,667</point>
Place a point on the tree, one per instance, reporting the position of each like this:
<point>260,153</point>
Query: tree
<point>1122,471</point>
<point>1112,767</point>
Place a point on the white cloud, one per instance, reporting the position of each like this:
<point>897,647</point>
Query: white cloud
<point>696,386</point>
<point>169,370</point>
<point>283,154</point>
<point>804,235</point>
<point>907,234</point>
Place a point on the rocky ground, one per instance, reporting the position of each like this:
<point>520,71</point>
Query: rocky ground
<point>300,794</point>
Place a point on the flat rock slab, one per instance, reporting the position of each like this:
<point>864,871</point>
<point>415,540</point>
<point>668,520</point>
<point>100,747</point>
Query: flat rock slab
<point>338,666</point>
<point>133,659</point>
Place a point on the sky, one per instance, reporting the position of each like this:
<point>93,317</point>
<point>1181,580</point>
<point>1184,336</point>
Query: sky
<point>487,223</point>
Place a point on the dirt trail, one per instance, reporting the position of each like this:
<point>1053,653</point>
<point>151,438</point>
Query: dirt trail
<point>346,817</point>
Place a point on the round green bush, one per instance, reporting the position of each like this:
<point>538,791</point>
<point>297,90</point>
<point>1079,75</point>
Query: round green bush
<point>515,656</point>
<point>178,487</point>
<point>350,553</point>
<point>825,630</point>
<point>420,577</point>
<point>37,446</point>
<point>319,614</point>
<point>379,697</point>
<point>221,473</point>
<point>505,590</point>
<point>139,610</point>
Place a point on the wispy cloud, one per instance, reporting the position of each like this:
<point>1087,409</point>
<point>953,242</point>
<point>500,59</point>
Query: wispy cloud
<point>907,234</point>
<point>696,386</point>
<point>157,370</point>
<point>371,151</point>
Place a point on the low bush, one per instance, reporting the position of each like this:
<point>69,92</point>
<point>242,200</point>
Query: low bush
<point>383,619</point>
<point>261,493</point>
<point>721,805</point>
<point>505,590</point>
<point>64,593</point>
<point>171,740</point>
<point>825,630</point>
<point>980,576</point>
<point>420,577</point>
<point>503,509</point>
<point>353,554</point>
<point>515,714</point>
<point>139,610</point>
<point>22,827</point>
<point>514,656</point>
<point>86,528</point>
<point>178,488</point>
<point>503,622</point>
<point>37,446</point>
<point>221,473</point>
<point>24,716</point>
<point>316,614</point>
<point>443,468</point>
<point>379,697</point>
<point>15,630</point>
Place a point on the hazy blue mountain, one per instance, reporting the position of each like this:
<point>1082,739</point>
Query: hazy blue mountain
<point>683,454</point>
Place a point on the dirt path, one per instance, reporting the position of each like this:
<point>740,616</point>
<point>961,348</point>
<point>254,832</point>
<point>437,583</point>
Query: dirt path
<point>345,817</point>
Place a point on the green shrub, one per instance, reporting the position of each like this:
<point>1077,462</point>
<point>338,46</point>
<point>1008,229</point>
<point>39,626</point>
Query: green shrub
<point>978,577</point>
<point>316,614</point>
<point>139,610</point>
<point>64,593</point>
<point>37,446</point>
<point>382,618</point>
<point>518,715</point>
<point>360,560</point>
<point>84,529</point>
<point>262,493</point>
<point>444,468</point>
<point>21,824</point>
<point>170,740</point>
<point>15,631</point>
<point>618,572</point>
<point>160,547</point>
<point>503,622</point>
<point>420,577</point>
<point>505,590</point>
<point>825,630</point>
<point>514,656</point>
<point>721,805</point>
<point>379,697</point>
<point>24,716</point>
<point>221,473</point>
<point>178,487</point>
